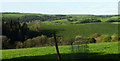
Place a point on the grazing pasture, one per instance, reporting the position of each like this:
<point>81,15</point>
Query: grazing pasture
<point>96,50</point>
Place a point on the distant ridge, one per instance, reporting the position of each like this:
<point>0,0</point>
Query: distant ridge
<point>46,13</point>
<point>11,12</point>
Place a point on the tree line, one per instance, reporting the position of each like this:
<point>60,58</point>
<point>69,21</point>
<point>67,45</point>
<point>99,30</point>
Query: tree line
<point>29,18</point>
<point>18,35</point>
<point>14,33</point>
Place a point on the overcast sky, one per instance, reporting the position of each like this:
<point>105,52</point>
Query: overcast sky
<point>96,7</point>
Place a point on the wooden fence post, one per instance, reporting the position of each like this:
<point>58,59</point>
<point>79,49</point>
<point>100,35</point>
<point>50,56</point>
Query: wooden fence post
<point>56,45</point>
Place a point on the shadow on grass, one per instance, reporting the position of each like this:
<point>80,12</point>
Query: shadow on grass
<point>47,32</point>
<point>69,57</point>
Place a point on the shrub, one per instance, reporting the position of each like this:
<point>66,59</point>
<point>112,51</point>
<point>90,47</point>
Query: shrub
<point>106,38</point>
<point>99,39</point>
<point>79,40</point>
<point>95,35</point>
<point>36,41</point>
<point>6,42</point>
<point>19,44</point>
<point>91,40</point>
<point>43,39</point>
<point>63,41</point>
<point>114,38</point>
<point>28,43</point>
<point>50,41</point>
<point>37,25</point>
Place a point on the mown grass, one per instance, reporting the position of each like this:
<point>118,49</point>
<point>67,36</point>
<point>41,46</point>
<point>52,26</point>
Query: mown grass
<point>100,48</point>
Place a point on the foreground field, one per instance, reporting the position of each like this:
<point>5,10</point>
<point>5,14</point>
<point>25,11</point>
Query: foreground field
<point>97,50</point>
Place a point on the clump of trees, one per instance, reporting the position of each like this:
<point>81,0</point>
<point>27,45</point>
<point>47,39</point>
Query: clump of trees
<point>105,37</point>
<point>96,38</point>
<point>15,31</point>
<point>18,35</point>
<point>38,42</point>
<point>114,38</point>
<point>31,17</point>
<point>43,40</point>
<point>6,42</point>
<point>88,20</point>
<point>113,20</point>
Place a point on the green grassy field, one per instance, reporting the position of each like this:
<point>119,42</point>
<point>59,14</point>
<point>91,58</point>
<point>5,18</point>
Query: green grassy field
<point>69,31</point>
<point>95,49</point>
